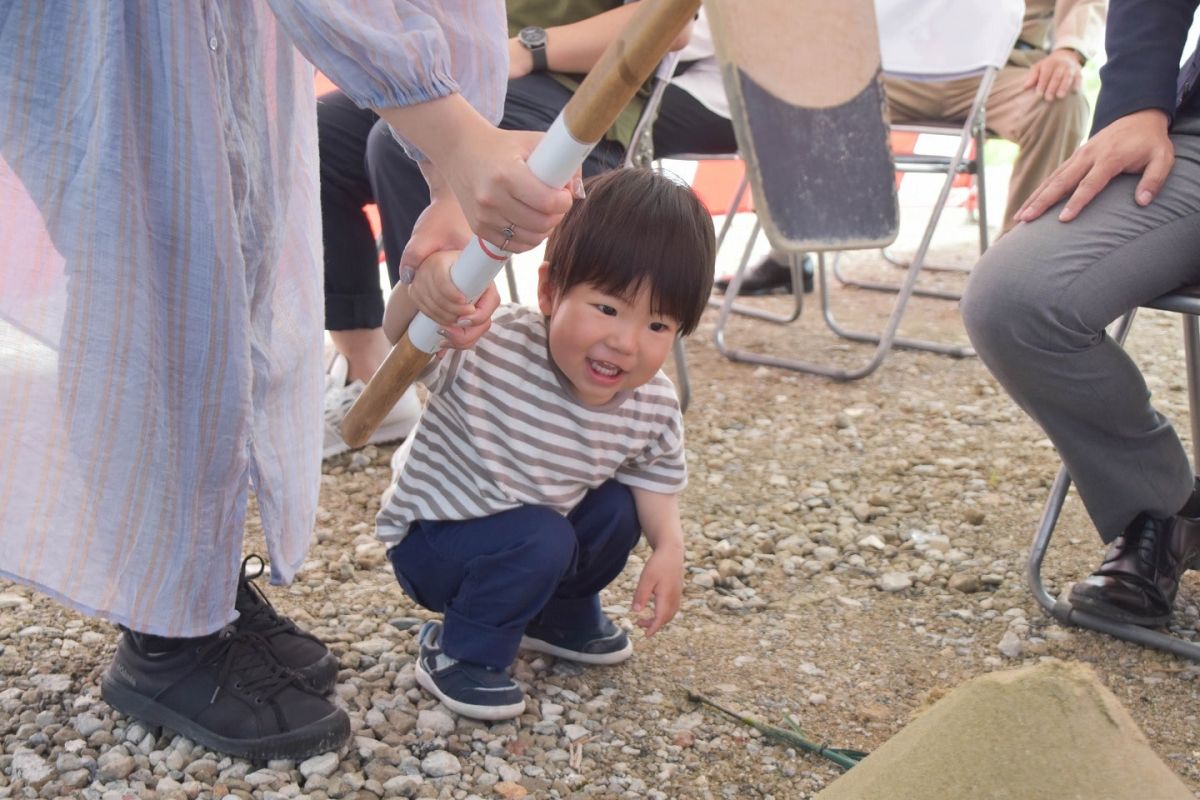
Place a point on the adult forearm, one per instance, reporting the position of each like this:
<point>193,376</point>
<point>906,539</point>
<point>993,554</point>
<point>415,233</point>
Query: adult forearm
<point>576,48</point>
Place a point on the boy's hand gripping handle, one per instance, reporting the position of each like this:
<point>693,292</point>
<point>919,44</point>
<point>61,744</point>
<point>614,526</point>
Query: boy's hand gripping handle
<point>620,72</point>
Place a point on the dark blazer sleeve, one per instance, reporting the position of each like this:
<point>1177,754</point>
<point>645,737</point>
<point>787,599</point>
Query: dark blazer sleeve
<point>1144,42</point>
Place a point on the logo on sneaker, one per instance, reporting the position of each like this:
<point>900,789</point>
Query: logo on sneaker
<point>126,674</point>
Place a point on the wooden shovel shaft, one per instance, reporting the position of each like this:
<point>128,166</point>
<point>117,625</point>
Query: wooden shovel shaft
<point>625,66</point>
<point>608,87</point>
<point>401,367</point>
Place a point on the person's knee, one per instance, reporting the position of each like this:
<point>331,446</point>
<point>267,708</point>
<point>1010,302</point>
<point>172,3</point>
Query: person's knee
<point>1009,302</point>
<point>1064,120</point>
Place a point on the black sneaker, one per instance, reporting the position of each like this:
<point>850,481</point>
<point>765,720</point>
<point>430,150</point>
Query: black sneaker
<point>472,690</point>
<point>227,692</point>
<point>607,644</point>
<point>296,649</point>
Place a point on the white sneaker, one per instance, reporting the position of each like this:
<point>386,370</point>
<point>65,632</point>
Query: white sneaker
<point>339,396</point>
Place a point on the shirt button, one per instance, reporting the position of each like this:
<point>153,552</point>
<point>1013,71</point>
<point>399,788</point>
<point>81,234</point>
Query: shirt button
<point>213,44</point>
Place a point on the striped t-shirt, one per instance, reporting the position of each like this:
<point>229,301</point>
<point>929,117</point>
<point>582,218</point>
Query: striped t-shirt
<point>502,429</point>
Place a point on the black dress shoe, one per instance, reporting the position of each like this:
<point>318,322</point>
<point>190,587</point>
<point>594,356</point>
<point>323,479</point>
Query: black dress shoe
<point>769,277</point>
<point>1139,578</point>
<point>296,649</point>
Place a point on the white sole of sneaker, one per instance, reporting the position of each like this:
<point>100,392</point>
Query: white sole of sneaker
<point>384,434</point>
<point>488,713</point>
<point>397,425</point>
<point>615,657</point>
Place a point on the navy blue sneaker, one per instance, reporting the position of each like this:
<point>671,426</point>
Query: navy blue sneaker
<point>472,690</point>
<point>607,644</point>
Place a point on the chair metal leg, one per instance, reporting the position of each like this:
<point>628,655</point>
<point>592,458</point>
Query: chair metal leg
<point>735,285</point>
<point>902,263</point>
<point>683,383</point>
<point>1062,610</point>
<point>981,180</point>
<point>883,341</point>
<point>731,209</point>
<point>888,336</point>
<point>979,134</point>
<point>876,286</point>
<point>811,367</point>
<point>1191,349</point>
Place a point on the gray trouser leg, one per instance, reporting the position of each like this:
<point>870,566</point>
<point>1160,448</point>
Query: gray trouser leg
<point>1036,308</point>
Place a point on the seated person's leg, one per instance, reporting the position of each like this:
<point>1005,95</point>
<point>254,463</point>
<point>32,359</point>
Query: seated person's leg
<point>353,301</point>
<point>489,577</point>
<point>1036,309</point>
<point>533,103</point>
<point>685,125</point>
<point>571,624</point>
<point>400,190</point>
<point>1047,132</point>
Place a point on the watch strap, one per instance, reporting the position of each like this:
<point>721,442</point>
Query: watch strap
<point>540,62</point>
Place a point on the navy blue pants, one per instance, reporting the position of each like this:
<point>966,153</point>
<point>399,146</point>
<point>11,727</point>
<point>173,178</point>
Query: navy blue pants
<point>490,577</point>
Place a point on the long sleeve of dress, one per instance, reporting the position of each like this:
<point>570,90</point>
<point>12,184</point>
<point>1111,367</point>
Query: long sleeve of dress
<point>385,53</point>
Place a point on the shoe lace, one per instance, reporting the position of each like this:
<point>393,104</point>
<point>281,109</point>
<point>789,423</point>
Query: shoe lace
<point>248,656</point>
<point>255,608</point>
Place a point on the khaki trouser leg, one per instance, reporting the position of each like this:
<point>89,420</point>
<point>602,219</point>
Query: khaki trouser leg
<point>1047,132</point>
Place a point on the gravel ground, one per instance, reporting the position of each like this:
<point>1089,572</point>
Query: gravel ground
<point>854,551</point>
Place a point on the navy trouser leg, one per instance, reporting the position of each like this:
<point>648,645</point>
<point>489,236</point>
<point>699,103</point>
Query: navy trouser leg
<point>607,529</point>
<point>491,576</point>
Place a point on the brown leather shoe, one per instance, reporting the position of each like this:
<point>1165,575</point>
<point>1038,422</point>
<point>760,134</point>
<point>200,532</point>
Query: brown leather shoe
<point>1140,575</point>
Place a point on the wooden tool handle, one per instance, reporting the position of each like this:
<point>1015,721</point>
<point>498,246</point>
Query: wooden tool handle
<point>392,379</point>
<point>625,66</point>
<point>620,72</point>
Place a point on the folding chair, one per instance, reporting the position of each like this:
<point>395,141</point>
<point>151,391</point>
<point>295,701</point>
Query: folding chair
<point>1187,303</point>
<point>899,60</point>
<point>972,166</point>
<point>641,154</point>
<point>930,40</point>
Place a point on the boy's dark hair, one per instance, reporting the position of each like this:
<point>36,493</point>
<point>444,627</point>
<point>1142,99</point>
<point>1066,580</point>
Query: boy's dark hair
<point>637,225</point>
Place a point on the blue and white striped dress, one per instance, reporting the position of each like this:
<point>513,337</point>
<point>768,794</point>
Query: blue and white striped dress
<point>161,297</point>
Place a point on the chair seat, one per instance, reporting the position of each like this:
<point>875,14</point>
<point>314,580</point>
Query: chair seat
<point>1182,301</point>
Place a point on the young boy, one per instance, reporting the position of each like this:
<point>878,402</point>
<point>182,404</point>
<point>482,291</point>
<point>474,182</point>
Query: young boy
<point>550,446</point>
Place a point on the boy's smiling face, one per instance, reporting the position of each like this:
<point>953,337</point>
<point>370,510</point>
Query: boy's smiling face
<point>604,344</point>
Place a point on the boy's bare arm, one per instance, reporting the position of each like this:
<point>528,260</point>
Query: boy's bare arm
<point>662,576</point>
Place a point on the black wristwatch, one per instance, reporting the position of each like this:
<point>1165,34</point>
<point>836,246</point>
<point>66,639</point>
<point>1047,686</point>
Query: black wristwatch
<point>533,39</point>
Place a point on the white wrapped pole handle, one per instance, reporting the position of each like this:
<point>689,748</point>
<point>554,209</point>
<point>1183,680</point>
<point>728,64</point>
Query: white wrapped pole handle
<point>625,64</point>
<point>554,161</point>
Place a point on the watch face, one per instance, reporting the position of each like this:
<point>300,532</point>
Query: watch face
<point>532,36</point>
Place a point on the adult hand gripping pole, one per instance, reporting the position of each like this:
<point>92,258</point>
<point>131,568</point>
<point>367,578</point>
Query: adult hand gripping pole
<point>624,67</point>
